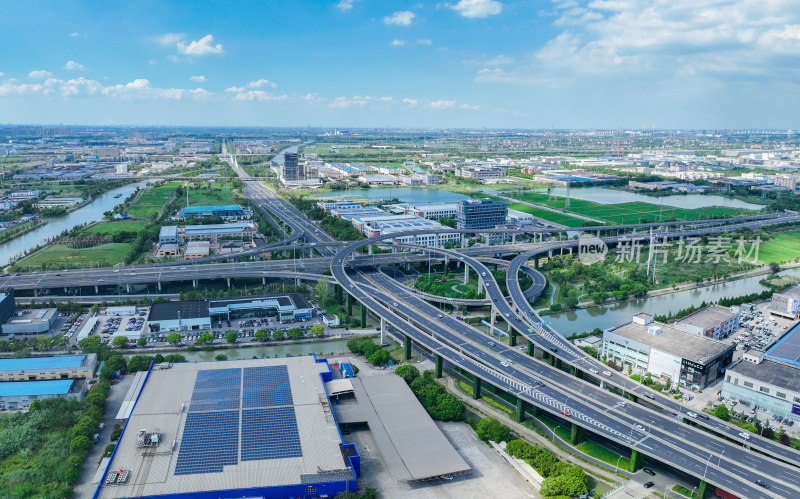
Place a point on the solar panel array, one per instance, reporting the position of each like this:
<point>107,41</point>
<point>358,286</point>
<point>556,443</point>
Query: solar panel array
<point>266,386</point>
<point>210,441</point>
<point>211,435</point>
<point>270,433</point>
<point>216,390</point>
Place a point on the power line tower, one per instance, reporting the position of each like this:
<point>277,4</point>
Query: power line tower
<point>550,195</point>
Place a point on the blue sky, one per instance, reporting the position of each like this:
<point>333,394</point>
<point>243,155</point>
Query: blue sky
<point>457,63</point>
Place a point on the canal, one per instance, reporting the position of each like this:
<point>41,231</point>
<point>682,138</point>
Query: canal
<point>261,351</point>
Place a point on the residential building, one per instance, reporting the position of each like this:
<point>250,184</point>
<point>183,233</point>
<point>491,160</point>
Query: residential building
<point>713,321</point>
<point>477,214</point>
<point>662,350</point>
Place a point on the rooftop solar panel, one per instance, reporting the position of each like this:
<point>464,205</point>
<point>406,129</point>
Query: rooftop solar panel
<point>788,348</point>
<point>210,441</point>
<point>270,433</point>
<point>216,389</point>
<point>266,386</point>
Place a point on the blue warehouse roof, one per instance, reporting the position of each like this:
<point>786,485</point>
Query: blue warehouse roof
<point>34,363</point>
<point>20,388</point>
<point>200,209</point>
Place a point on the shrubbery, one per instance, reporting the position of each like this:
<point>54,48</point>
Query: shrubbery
<point>435,399</point>
<point>372,351</point>
<point>561,479</point>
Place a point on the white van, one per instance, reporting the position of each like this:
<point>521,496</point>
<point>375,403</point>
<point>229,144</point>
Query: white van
<point>607,373</point>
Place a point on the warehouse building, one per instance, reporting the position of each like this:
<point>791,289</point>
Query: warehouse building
<point>714,321</point>
<point>59,367</point>
<point>225,211</point>
<point>186,315</point>
<point>197,249</point>
<point>30,322</point>
<point>662,350</point>
<point>769,380</point>
<point>21,394</point>
<point>7,305</point>
<point>168,234</point>
<point>786,303</point>
<point>214,232</point>
<point>248,428</point>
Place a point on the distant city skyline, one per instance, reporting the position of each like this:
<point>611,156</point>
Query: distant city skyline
<point>577,64</point>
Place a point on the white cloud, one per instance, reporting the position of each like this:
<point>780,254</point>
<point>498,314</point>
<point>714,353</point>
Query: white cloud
<point>424,41</point>
<point>410,102</point>
<point>136,89</point>
<point>261,83</point>
<point>442,104</point>
<point>199,47</point>
<point>75,34</point>
<point>500,60</point>
<point>467,106</point>
<point>359,100</point>
<point>1,74</point>
<point>477,8</point>
<point>198,78</point>
<point>39,74</point>
<point>398,43</point>
<point>168,38</point>
<point>785,40</point>
<point>73,66</point>
<point>400,18</point>
<point>257,95</point>
<point>345,5</point>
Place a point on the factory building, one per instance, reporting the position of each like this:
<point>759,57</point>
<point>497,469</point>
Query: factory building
<point>662,350</point>
<point>786,303</point>
<point>80,366</point>
<point>21,394</point>
<point>714,321</point>
<point>248,428</point>
<point>225,211</point>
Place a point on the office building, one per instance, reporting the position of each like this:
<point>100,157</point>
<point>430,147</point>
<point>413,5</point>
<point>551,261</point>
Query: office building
<point>247,428</point>
<point>30,322</point>
<point>285,307</point>
<point>659,349</point>
<point>173,316</point>
<point>714,321</point>
<point>292,168</point>
<point>786,303</point>
<point>477,214</point>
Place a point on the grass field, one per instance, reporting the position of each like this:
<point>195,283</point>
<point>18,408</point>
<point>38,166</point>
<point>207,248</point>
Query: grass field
<point>113,228</point>
<point>211,194</point>
<point>783,247</point>
<point>556,218</point>
<point>61,256</point>
<point>630,213</point>
<point>608,456</point>
<point>151,201</point>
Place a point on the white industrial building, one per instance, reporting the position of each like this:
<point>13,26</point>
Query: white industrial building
<point>714,321</point>
<point>786,303</point>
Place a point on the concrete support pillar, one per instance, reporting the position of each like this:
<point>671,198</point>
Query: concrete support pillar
<point>96,290</point>
<point>463,240</point>
<point>439,363</point>
<point>228,280</point>
<point>446,263</point>
<point>407,345</point>
<point>128,288</point>
<point>159,285</point>
<point>512,333</point>
<point>576,435</point>
<point>466,273</point>
<point>519,415</point>
<point>492,316</point>
<point>531,348</point>
<point>36,291</point>
<point>636,461</point>
<point>263,282</point>
<point>363,316</point>
<point>476,389</point>
<point>370,249</point>
<point>394,249</point>
<point>549,253</point>
<point>536,262</point>
<point>383,331</point>
<point>514,238</point>
<point>338,292</point>
<point>194,283</point>
<point>702,490</point>
<point>297,281</point>
<point>557,363</point>
<point>480,285</point>
<point>552,360</point>
<point>349,304</point>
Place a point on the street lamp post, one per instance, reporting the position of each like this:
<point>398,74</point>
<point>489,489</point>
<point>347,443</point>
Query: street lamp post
<point>616,468</point>
<point>707,461</point>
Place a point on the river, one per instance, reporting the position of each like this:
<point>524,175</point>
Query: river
<point>55,226</point>
<point>615,314</point>
<point>605,195</point>
<point>262,351</point>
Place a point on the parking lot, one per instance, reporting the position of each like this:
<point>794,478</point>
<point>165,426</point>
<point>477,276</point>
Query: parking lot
<point>110,326</point>
<point>758,329</point>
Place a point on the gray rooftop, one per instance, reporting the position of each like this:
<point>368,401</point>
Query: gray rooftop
<point>708,317</point>
<point>770,372</point>
<point>411,444</point>
<point>792,292</point>
<point>687,345</point>
<point>161,405</point>
<point>788,348</point>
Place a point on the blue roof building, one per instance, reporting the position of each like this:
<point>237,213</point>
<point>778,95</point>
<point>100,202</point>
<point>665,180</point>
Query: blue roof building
<point>228,210</point>
<point>20,394</point>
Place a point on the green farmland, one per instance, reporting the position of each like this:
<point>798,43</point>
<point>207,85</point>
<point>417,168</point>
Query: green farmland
<point>151,201</point>
<point>61,256</point>
<point>631,213</point>
<point>782,248</point>
<point>114,228</point>
<point>210,194</point>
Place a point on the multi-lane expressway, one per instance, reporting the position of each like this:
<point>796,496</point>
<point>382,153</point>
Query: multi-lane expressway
<point>742,466</point>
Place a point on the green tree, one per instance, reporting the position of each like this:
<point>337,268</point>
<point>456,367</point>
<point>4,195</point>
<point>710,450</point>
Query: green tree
<point>563,485</point>
<point>205,339</point>
<point>120,342</point>
<point>722,412</point>
<point>221,356</point>
<point>323,291</point>
<point>174,358</point>
<point>408,372</point>
<point>317,331</point>
<point>231,337</point>
<point>139,363</point>
<point>448,407</point>
<point>295,333</point>
<point>79,445</point>
<point>379,356</point>
<point>174,338</point>
<point>261,335</point>
<point>278,335</point>
<point>490,429</point>
<point>141,341</point>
